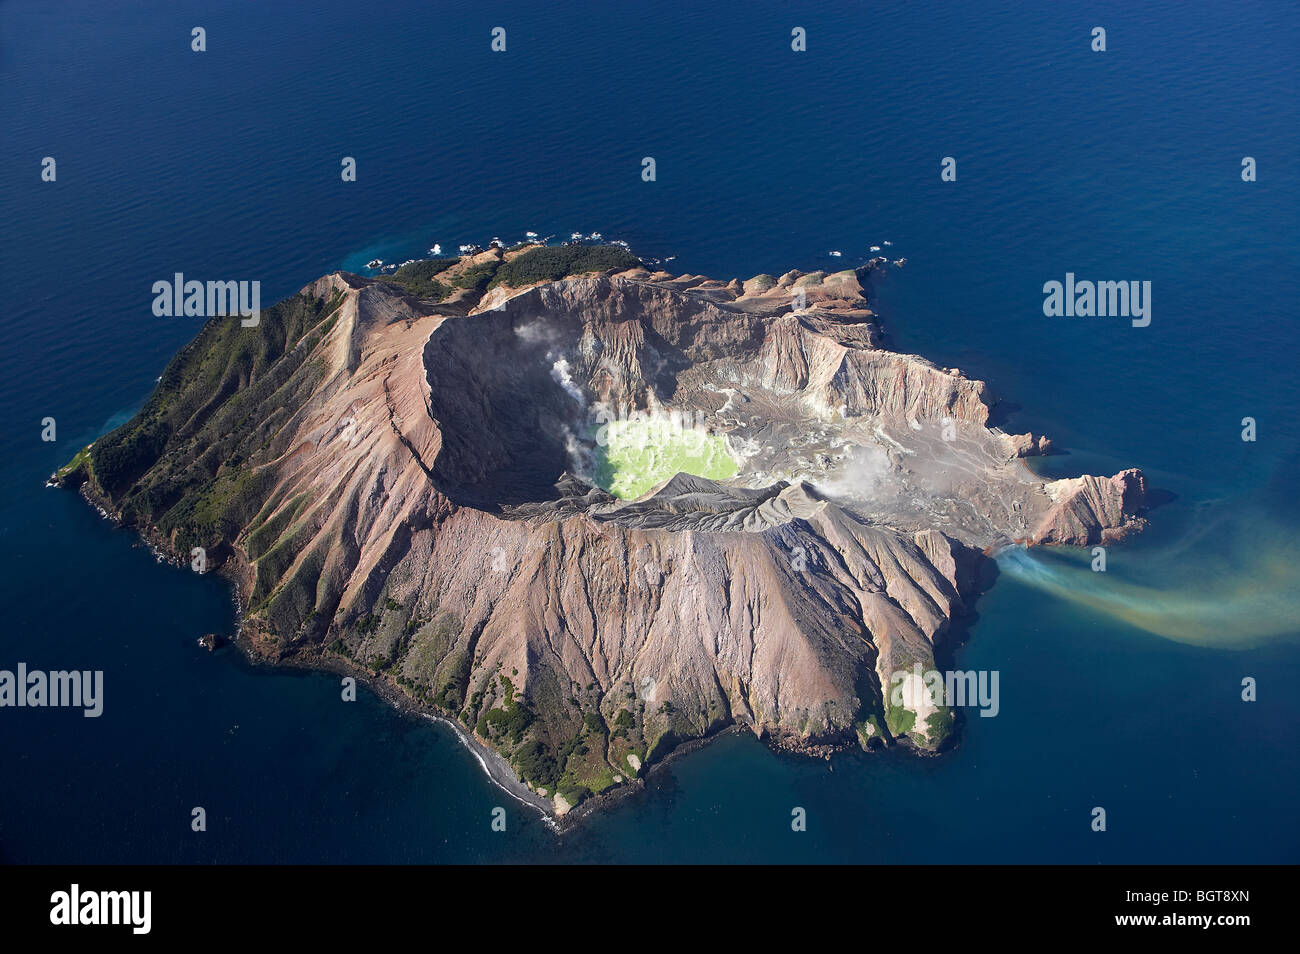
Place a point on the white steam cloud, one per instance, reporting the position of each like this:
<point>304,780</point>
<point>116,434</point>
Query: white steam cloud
<point>861,474</point>
<point>562,377</point>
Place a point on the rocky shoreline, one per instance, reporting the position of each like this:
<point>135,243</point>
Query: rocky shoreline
<point>494,766</point>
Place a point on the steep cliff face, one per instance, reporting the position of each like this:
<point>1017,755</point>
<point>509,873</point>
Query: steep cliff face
<point>407,485</point>
<point>1093,509</point>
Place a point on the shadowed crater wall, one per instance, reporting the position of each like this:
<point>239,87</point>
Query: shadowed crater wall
<point>501,406</point>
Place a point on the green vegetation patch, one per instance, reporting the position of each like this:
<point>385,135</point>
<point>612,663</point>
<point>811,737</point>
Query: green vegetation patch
<point>553,262</point>
<point>478,277</point>
<point>215,387</point>
<point>418,279</point>
<point>79,463</point>
<point>267,534</point>
<point>939,725</point>
<point>899,719</point>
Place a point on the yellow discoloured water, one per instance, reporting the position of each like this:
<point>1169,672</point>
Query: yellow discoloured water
<point>1232,586</point>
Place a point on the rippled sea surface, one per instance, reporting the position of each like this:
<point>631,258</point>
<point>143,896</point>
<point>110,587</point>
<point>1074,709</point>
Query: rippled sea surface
<point>1120,690</point>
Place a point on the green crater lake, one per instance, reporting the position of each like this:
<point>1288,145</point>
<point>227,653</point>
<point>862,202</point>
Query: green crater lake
<point>638,454</point>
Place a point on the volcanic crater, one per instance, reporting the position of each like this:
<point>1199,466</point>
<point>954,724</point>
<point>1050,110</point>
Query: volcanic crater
<point>404,480</point>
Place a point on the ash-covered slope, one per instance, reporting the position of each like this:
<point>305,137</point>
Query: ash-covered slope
<point>406,485</point>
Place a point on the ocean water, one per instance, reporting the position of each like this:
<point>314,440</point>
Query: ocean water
<point>1119,690</point>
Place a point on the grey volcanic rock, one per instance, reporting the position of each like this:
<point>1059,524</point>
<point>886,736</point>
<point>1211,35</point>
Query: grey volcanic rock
<point>408,486</point>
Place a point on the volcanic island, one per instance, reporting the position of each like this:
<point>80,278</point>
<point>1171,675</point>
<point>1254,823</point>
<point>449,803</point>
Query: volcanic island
<point>589,512</point>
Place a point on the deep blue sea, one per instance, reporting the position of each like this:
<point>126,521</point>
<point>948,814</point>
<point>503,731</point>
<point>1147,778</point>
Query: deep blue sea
<point>1120,690</point>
